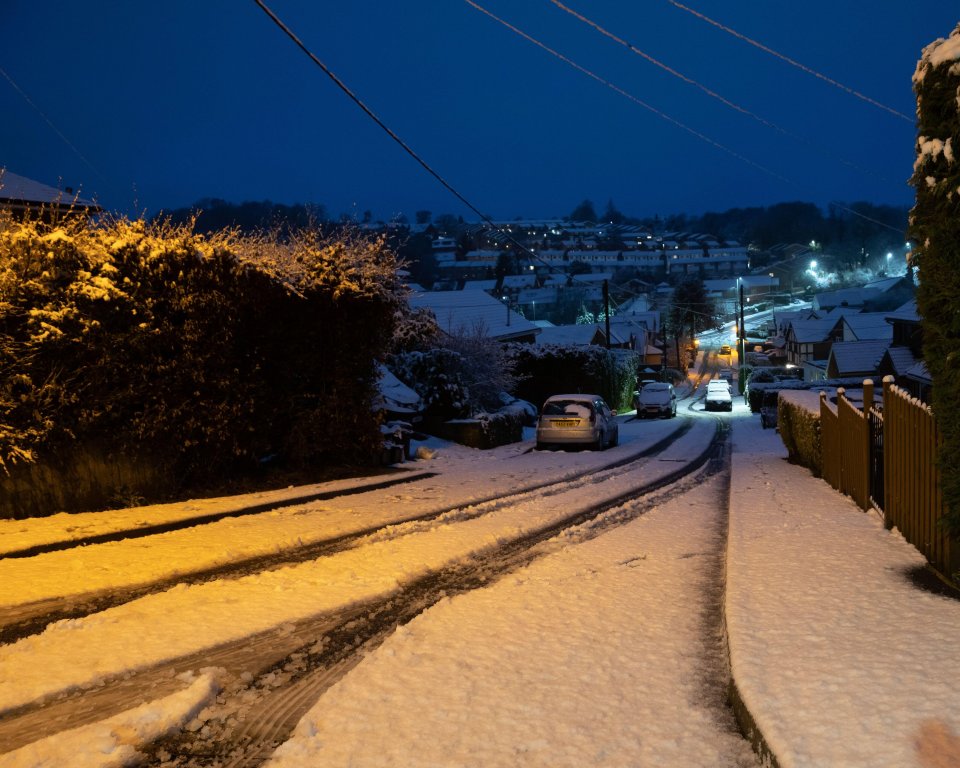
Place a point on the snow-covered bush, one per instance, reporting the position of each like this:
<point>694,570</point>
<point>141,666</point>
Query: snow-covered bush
<point>435,374</point>
<point>456,375</point>
<point>555,369</point>
<point>201,352</point>
<point>799,428</point>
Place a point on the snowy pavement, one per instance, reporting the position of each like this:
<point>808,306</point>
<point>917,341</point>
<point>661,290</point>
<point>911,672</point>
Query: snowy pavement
<point>606,651</point>
<point>839,658</point>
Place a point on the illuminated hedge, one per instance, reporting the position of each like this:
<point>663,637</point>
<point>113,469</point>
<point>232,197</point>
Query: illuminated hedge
<point>207,352</point>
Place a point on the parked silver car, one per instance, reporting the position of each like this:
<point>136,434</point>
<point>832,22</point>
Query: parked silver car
<point>718,396</point>
<point>577,420</point>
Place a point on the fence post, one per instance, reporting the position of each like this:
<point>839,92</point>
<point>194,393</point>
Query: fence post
<point>890,501</point>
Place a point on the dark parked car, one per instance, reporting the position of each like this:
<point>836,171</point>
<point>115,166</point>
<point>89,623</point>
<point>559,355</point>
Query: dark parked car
<point>768,408</point>
<point>657,400</point>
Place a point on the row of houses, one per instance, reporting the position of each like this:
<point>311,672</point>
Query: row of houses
<point>473,310</point>
<point>838,337</point>
<point>545,245</point>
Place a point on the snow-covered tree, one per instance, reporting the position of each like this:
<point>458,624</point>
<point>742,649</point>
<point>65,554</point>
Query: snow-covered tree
<point>935,230</point>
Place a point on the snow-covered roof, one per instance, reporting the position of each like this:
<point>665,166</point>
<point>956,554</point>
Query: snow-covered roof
<point>907,312</point>
<point>649,320</point>
<point>570,334</point>
<point>869,325</point>
<point>851,358</point>
<point>844,297</point>
<point>901,359</point>
<point>919,372</point>
<point>811,330</point>
<point>19,189</point>
<point>467,311</point>
<point>885,284</point>
<point>395,395</point>
<point>480,285</point>
<point>527,280</point>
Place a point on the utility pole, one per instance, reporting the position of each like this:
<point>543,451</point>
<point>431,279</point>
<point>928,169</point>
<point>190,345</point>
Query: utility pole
<point>606,309</point>
<point>741,333</point>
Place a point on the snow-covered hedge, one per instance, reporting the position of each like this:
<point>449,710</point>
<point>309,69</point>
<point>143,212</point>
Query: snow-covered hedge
<point>201,353</point>
<point>555,369</point>
<point>755,389</point>
<point>799,426</point>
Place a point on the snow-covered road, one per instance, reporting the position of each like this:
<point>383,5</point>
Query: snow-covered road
<point>156,630</point>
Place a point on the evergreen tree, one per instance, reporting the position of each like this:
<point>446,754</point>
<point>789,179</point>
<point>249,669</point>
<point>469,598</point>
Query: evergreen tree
<point>584,212</point>
<point>935,228</point>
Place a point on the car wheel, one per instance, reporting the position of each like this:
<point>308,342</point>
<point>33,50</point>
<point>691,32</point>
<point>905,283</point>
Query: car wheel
<point>615,440</point>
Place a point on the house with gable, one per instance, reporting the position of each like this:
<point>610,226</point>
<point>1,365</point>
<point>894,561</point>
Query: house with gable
<point>847,298</point>
<point>24,197</point>
<point>809,339</point>
<point>474,311</point>
<point>850,359</point>
<point>904,357</point>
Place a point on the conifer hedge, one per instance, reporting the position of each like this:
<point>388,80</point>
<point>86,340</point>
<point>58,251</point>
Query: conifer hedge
<point>935,233</point>
<point>204,353</point>
<point>556,369</point>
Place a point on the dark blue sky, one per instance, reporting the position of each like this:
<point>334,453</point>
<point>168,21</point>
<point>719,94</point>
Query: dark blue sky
<point>161,104</point>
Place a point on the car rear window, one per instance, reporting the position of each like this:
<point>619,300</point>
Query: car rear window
<point>578,408</point>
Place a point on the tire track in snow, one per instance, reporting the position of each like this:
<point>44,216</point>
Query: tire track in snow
<point>282,658</point>
<point>27,619</point>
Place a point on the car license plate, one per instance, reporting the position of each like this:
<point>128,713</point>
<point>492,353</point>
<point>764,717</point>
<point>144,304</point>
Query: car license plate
<point>565,422</point>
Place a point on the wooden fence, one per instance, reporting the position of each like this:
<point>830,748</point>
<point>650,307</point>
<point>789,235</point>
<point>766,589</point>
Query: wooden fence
<point>884,456</point>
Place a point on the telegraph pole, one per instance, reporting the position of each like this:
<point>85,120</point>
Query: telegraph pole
<point>741,334</point>
<point>606,309</point>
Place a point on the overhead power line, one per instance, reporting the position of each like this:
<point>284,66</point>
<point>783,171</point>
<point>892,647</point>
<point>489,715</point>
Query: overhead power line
<point>369,112</point>
<point>49,122</point>
<point>626,94</point>
<point>792,62</point>
<point>406,147</point>
<point>879,223</point>
<point>708,91</point>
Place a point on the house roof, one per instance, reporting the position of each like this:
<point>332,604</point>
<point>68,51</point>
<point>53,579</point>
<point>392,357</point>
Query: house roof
<point>919,373</point>
<point>570,334</point>
<point>907,312</point>
<point>844,297</point>
<point>395,395</point>
<point>21,190</point>
<point>901,359</point>
<point>886,283</point>
<point>851,358</point>
<point>806,331</point>
<point>869,325</point>
<point>470,310</point>
<point>649,320</point>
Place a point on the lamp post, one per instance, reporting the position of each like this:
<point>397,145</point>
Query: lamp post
<point>741,373</point>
